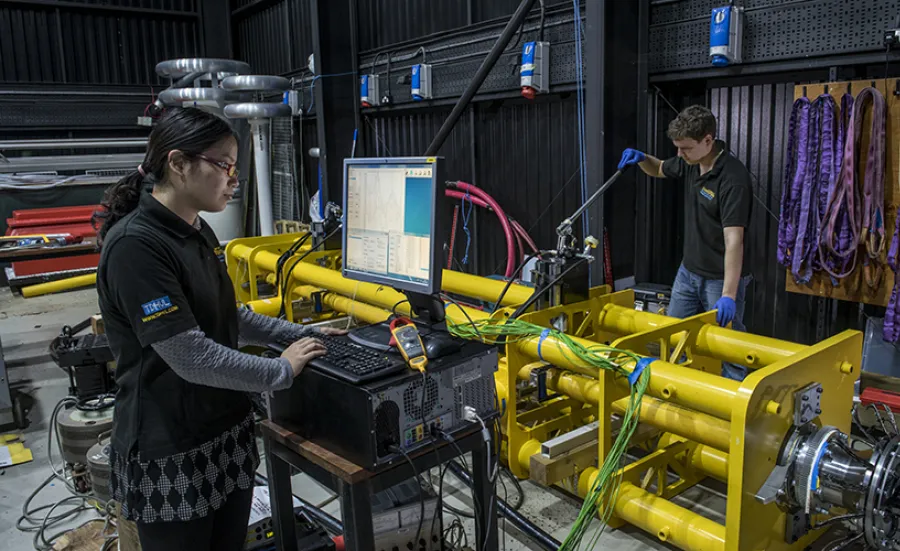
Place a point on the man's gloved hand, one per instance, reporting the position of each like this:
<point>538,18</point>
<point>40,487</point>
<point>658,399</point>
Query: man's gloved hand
<point>725,311</point>
<point>630,157</point>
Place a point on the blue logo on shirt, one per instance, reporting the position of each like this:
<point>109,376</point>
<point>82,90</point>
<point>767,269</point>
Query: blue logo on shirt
<point>156,305</point>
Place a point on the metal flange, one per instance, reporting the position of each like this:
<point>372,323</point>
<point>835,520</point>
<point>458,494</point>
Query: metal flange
<point>880,522</point>
<point>805,467</point>
<point>256,83</point>
<point>177,68</point>
<point>257,110</point>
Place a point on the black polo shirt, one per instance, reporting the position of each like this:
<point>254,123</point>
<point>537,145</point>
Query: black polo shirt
<point>159,276</point>
<point>721,198</point>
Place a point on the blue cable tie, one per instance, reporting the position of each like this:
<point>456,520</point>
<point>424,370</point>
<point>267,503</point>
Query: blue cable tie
<point>638,369</point>
<point>544,335</point>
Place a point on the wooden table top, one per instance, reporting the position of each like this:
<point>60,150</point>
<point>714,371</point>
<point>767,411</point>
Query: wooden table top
<point>334,464</point>
<point>347,471</point>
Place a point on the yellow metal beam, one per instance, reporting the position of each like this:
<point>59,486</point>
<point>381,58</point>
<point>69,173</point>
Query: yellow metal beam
<point>454,282</point>
<point>713,341</point>
<point>694,389</point>
<point>660,517</point>
<point>705,459</point>
<point>60,285</point>
<point>692,425</point>
<point>669,522</point>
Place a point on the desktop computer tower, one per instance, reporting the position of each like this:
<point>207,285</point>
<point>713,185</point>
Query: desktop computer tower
<point>361,423</point>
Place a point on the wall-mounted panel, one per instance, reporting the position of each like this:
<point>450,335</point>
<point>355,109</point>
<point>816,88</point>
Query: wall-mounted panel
<point>455,58</point>
<point>773,30</point>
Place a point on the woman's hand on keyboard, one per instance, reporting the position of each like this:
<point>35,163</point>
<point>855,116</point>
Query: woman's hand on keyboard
<point>301,352</point>
<point>331,331</point>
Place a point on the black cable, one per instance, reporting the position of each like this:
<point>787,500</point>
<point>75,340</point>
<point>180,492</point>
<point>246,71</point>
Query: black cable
<point>468,317</point>
<point>838,518</point>
<point>509,282</point>
<point>887,53</point>
<point>541,35</point>
<point>398,449</point>
<point>537,294</point>
<point>394,307</point>
<point>388,90</point>
<point>295,246</point>
<point>294,265</point>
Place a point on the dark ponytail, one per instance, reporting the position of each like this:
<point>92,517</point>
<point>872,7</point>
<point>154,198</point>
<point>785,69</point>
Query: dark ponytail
<point>189,130</point>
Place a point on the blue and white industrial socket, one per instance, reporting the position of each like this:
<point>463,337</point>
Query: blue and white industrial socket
<point>726,35</point>
<point>421,82</point>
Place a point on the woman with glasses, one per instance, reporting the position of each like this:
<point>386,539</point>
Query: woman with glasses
<point>183,454</point>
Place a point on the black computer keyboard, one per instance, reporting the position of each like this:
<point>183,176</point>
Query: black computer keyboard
<point>351,362</point>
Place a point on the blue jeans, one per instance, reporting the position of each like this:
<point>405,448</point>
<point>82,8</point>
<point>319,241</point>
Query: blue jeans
<point>693,294</point>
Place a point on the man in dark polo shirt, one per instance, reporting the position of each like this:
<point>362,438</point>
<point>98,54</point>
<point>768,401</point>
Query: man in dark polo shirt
<point>713,274</point>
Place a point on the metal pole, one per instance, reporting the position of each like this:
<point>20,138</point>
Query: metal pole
<point>260,130</point>
<point>111,143</point>
<point>514,22</point>
<point>327,521</point>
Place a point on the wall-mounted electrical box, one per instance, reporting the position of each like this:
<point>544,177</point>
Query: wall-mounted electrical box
<point>726,35</point>
<point>421,82</point>
<point>369,95</point>
<point>535,70</point>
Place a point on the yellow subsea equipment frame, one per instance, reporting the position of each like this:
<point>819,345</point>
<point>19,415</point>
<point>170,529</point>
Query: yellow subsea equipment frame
<point>561,415</point>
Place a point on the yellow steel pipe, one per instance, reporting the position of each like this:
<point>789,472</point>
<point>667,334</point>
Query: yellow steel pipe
<point>698,427</point>
<point>669,522</point>
<point>60,285</point>
<point>454,282</point>
<point>706,459</point>
<point>713,341</point>
<point>690,388</point>
<point>695,426</point>
<point>733,346</point>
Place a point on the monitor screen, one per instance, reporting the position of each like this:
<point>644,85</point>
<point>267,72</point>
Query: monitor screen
<point>389,223</point>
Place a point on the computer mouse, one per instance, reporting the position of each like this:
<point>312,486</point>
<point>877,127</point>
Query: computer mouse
<point>438,345</point>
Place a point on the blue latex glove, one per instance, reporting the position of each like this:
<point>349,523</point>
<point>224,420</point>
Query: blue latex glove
<point>725,311</point>
<point>630,157</point>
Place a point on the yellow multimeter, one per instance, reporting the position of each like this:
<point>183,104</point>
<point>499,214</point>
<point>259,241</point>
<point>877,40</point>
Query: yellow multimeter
<point>410,345</point>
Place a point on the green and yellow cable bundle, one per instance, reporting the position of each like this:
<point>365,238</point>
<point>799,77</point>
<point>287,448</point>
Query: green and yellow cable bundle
<point>601,498</point>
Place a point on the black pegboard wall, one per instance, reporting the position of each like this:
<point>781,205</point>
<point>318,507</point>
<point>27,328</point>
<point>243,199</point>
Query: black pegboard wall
<point>455,59</point>
<point>773,30</point>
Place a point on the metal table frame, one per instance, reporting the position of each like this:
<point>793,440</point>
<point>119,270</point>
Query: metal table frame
<point>356,488</point>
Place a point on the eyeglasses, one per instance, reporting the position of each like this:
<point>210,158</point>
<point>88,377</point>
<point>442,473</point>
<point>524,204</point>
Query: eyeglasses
<point>230,170</point>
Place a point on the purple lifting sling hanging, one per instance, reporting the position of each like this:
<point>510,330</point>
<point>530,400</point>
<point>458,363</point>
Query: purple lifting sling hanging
<point>819,159</point>
<point>849,223</point>
<point>798,135</point>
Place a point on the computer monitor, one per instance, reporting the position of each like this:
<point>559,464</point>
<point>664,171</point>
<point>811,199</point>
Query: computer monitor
<point>392,223</point>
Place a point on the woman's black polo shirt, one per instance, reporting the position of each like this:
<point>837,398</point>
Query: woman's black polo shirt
<point>159,276</point>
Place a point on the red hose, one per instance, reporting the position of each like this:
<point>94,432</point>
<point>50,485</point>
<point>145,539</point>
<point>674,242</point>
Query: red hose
<point>504,222</point>
<point>453,194</point>
<point>521,231</point>
<point>518,231</point>
<point>519,244</point>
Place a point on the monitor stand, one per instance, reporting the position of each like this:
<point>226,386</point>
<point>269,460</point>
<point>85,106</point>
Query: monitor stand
<point>429,316</point>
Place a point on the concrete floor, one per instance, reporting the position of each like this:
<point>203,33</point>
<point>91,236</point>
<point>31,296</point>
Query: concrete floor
<point>27,326</point>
